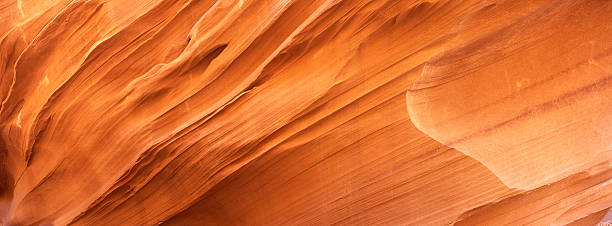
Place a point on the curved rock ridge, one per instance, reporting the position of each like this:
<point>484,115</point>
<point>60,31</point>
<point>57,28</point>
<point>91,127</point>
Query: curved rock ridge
<point>527,93</point>
<point>293,112</point>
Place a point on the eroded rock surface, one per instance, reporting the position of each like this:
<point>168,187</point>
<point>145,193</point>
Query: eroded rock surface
<point>524,88</point>
<point>293,112</point>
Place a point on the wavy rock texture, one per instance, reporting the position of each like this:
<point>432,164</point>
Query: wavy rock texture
<point>305,112</point>
<point>529,105</point>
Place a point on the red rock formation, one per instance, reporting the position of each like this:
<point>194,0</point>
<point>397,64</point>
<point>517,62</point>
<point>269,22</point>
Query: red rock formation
<point>525,93</point>
<point>293,112</point>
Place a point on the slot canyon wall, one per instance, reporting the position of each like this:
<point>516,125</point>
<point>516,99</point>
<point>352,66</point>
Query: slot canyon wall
<point>305,112</point>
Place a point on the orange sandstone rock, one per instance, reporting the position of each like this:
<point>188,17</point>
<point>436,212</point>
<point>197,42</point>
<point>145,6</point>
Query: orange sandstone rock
<point>527,93</point>
<point>293,112</point>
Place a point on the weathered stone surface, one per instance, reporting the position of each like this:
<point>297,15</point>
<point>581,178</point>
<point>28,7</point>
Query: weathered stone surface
<point>305,112</point>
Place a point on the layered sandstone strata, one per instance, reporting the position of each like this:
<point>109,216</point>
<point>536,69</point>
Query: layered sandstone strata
<point>305,112</point>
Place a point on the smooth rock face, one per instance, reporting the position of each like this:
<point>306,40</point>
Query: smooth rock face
<point>305,112</point>
<point>527,93</point>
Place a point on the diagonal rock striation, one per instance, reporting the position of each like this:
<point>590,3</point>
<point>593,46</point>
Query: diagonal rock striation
<point>294,112</point>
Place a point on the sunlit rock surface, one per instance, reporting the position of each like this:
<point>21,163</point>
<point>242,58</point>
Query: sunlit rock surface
<point>305,112</point>
<point>526,89</point>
